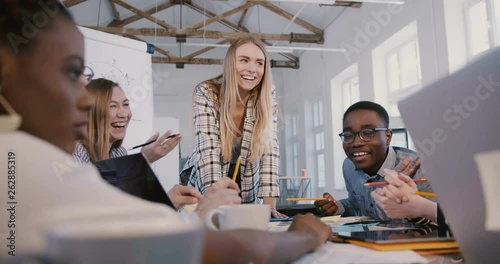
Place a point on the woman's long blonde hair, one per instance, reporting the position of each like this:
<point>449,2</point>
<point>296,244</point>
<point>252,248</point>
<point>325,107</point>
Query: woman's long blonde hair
<point>228,95</point>
<point>98,135</point>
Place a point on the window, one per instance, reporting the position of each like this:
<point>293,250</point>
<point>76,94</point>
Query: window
<point>482,25</point>
<point>345,91</point>
<point>295,159</point>
<point>350,91</point>
<point>403,66</point>
<point>319,142</point>
<point>293,141</point>
<point>396,68</point>
<point>318,114</point>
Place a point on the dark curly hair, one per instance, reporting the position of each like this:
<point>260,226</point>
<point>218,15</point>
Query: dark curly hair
<point>21,20</point>
<point>367,105</point>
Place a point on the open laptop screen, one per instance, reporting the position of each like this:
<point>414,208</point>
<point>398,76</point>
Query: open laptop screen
<point>133,175</point>
<point>451,122</point>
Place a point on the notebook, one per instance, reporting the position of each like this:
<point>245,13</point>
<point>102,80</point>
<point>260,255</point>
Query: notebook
<point>394,236</point>
<point>450,122</point>
<point>133,175</point>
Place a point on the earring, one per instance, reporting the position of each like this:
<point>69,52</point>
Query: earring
<point>11,121</point>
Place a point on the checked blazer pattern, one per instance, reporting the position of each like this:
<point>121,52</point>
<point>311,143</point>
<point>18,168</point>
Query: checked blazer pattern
<point>258,179</point>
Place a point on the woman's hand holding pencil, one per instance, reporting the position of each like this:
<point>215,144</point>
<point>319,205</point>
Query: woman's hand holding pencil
<point>157,146</point>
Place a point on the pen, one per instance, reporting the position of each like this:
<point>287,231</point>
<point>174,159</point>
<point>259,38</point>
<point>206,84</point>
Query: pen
<point>428,194</point>
<point>306,199</point>
<point>147,143</point>
<point>236,169</point>
<point>386,183</point>
<point>366,222</point>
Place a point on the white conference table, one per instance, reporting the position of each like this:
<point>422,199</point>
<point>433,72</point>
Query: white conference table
<point>340,253</point>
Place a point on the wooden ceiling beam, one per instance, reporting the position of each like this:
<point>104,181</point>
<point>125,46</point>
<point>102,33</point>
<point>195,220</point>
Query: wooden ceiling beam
<point>285,64</point>
<point>201,51</point>
<point>273,8</point>
<point>289,56</point>
<point>160,50</point>
<point>337,3</point>
<point>116,14</point>
<point>70,3</point>
<point>187,61</point>
<point>223,15</point>
<point>143,14</point>
<point>242,18</point>
<point>136,17</point>
<point>348,4</point>
<point>224,22</point>
<point>199,61</point>
<point>210,34</point>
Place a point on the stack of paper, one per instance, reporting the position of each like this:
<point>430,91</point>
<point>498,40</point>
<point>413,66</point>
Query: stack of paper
<point>347,253</point>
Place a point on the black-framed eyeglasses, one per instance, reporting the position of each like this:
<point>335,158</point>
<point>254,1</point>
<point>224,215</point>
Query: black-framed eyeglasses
<point>88,73</point>
<point>366,134</point>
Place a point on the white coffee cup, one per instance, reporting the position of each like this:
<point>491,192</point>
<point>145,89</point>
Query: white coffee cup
<point>123,241</point>
<point>252,216</point>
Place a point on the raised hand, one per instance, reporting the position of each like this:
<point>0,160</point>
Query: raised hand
<point>161,146</point>
<point>409,166</point>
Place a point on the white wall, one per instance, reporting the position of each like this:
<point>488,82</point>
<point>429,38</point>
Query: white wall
<point>173,92</point>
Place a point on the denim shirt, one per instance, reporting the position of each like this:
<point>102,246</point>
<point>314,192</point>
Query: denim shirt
<point>359,201</point>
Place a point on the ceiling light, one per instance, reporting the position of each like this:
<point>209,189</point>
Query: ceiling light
<point>331,2</point>
<point>283,49</point>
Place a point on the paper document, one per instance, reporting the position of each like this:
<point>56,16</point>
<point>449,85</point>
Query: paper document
<point>348,253</point>
<point>488,164</point>
<point>330,219</point>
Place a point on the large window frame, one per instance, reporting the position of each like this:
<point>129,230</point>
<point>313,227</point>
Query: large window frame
<point>318,130</point>
<point>491,24</point>
<point>390,82</point>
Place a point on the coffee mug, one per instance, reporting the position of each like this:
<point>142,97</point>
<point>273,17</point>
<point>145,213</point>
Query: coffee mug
<point>131,240</point>
<point>252,216</point>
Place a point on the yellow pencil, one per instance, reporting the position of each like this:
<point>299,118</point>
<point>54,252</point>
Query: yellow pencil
<point>236,168</point>
<point>428,194</point>
<point>306,199</point>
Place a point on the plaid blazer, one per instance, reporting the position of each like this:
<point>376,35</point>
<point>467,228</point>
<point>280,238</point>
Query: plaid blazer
<point>206,165</point>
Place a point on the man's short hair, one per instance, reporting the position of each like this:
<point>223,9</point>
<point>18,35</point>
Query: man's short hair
<point>367,105</point>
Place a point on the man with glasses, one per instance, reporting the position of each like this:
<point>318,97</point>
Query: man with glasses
<point>366,141</point>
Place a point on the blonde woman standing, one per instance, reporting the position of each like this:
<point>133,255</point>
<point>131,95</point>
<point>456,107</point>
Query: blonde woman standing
<point>235,116</point>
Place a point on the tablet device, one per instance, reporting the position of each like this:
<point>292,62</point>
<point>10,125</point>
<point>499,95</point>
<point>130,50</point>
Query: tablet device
<point>394,236</point>
<point>133,175</point>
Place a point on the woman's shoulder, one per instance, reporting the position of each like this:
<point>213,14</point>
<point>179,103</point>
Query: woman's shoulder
<point>81,154</point>
<point>118,152</point>
<point>208,89</point>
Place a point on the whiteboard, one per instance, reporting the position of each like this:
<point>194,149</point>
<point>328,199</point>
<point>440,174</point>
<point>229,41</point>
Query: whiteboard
<point>126,62</point>
<point>167,168</point>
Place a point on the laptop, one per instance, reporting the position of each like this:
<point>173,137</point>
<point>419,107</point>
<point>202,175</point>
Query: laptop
<point>451,121</point>
<point>133,175</point>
